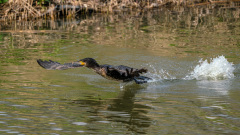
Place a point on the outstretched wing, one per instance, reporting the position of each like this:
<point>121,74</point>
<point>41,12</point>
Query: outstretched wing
<point>52,65</point>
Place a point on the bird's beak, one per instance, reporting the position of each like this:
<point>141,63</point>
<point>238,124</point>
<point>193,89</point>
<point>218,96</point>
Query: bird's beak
<point>75,64</point>
<point>82,63</point>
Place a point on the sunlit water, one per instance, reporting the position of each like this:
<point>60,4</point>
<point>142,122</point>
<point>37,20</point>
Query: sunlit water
<point>194,65</point>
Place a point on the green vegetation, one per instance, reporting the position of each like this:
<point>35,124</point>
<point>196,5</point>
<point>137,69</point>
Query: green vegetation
<point>172,45</point>
<point>3,1</point>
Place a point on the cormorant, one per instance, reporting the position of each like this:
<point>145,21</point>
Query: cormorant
<point>119,73</point>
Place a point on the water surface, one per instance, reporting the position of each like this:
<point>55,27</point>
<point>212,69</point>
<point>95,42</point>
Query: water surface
<point>192,56</point>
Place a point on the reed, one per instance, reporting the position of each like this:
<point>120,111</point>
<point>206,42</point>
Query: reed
<point>32,9</point>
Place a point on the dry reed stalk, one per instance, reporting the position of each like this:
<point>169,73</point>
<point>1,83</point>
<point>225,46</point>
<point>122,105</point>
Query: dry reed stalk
<point>20,9</point>
<point>25,9</point>
<point>31,9</point>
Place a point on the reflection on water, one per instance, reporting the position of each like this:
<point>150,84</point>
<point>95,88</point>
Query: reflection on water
<point>133,114</point>
<point>178,33</point>
<point>124,109</point>
<point>219,87</point>
<point>169,43</point>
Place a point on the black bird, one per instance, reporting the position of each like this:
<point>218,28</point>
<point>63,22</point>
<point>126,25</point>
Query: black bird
<point>119,73</point>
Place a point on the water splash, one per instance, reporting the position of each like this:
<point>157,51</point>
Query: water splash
<point>218,69</point>
<point>159,75</point>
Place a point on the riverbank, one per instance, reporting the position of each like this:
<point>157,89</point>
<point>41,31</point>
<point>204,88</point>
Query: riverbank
<point>32,9</point>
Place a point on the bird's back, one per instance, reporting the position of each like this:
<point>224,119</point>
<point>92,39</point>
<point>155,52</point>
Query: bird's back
<point>120,72</point>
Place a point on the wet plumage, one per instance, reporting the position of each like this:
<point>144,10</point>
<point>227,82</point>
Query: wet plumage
<point>120,73</point>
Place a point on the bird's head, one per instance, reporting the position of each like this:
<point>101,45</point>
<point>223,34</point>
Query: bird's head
<point>88,62</point>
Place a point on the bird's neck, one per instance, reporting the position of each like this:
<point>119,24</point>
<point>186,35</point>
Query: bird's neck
<point>95,67</point>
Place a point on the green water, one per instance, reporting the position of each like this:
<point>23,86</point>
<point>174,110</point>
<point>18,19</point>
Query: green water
<point>78,101</point>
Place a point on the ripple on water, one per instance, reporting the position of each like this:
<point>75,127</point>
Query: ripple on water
<point>104,121</point>
<point>80,131</point>
<point>3,114</point>
<point>57,129</point>
<point>4,130</point>
<point>21,106</point>
<point>79,123</point>
<point>13,132</point>
<point>210,117</point>
<point>21,119</point>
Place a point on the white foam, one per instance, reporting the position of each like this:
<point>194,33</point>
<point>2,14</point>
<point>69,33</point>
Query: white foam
<point>158,75</point>
<point>218,69</point>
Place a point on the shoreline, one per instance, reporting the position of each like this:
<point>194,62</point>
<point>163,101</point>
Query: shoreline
<point>29,10</point>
